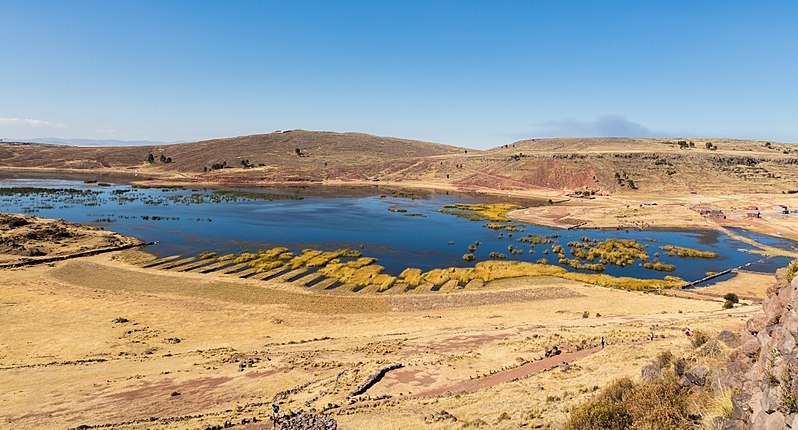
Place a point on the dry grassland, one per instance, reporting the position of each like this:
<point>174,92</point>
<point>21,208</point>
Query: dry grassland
<point>64,362</point>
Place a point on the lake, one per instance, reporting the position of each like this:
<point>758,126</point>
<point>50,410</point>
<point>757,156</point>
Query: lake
<point>186,221</point>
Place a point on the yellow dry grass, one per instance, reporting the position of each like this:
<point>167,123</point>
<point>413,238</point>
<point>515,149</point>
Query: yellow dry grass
<point>318,345</point>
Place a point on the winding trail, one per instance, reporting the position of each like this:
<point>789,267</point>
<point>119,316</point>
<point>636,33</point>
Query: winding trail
<point>509,375</point>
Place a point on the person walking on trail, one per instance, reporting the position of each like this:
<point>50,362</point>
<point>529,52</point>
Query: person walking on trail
<point>276,416</point>
<point>651,335</point>
<point>603,342</point>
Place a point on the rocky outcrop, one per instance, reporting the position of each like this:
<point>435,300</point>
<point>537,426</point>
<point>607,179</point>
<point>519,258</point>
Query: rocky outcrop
<point>770,386</point>
<point>309,422</point>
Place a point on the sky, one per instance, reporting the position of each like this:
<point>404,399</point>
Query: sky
<point>470,73</point>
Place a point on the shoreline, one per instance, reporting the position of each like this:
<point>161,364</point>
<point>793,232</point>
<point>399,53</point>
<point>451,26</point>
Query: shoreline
<point>589,214</point>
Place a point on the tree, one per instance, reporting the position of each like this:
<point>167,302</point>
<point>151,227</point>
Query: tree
<point>150,158</point>
<point>298,152</point>
<point>168,160</point>
<point>708,145</point>
<point>731,297</point>
<point>163,158</point>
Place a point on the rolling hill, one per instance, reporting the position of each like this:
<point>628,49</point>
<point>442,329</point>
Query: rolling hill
<point>608,165</point>
<point>317,150</point>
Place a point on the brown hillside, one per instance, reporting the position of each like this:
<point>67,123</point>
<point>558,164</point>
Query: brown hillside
<point>641,165</point>
<point>278,150</point>
<point>337,150</point>
<point>607,165</point>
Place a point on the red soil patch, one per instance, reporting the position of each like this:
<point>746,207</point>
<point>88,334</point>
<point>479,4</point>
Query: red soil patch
<point>507,375</point>
<point>409,376</point>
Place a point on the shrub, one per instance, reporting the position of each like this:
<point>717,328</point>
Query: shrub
<point>663,359</point>
<point>606,411</point>
<point>412,276</point>
<point>731,297</point>
<point>683,252</point>
<point>585,314</point>
<point>728,304</point>
<point>600,414</point>
<point>660,404</point>
<point>699,338</point>
<point>791,269</point>
<point>679,366</point>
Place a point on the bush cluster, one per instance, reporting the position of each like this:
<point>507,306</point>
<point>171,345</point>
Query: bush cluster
<point>660,404</point>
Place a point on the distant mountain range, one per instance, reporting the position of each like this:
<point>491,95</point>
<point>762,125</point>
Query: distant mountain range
<point>93,142</point>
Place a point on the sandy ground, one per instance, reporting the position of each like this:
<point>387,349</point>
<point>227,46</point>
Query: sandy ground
<point>747,285</point>
<point>670,211</point>
<point>64,362</point>
<point>26,238</point>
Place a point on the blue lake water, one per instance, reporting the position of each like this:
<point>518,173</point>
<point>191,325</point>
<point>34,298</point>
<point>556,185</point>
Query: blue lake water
<point>330,219</point>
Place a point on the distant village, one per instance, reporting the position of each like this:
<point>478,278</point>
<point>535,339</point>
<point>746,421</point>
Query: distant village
<point>752,212</point>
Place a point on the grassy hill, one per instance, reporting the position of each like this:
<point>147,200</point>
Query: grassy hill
<point>274,149</point>
<point>620,165</point>
<point>610,165</point>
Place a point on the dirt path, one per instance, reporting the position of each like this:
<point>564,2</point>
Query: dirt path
<point>524,371</point>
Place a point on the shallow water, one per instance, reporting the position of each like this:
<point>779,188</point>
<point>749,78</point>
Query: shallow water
<point>320,221</point>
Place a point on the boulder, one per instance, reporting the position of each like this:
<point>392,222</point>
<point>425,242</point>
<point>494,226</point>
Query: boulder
<point>310,422</point>
<point>756,324</point>
<point>775,421</point>
<point>773,310</point>
<point>740,409</point>
<point>650,372</point>
<point>696,375</point>
<point>730,339</point>
<point>734,425</point>
<point>751,348</point>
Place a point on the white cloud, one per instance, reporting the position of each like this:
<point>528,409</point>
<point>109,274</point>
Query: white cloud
<point>28,122</point>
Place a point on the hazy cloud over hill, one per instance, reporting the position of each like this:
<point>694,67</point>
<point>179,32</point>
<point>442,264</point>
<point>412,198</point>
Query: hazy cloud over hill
<point>602,126</point>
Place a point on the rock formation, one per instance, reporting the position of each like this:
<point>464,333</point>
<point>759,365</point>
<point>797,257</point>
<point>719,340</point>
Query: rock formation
<point>770,386</point>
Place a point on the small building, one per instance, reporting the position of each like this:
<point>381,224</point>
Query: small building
<point>753,215</point>
<point>716,214</point>
<point>752,208</point>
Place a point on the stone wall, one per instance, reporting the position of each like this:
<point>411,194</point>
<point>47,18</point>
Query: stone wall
<point>767,399</point>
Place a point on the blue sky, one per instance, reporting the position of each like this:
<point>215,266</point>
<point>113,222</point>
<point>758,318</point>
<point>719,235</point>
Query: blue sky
<point>476,74</point>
